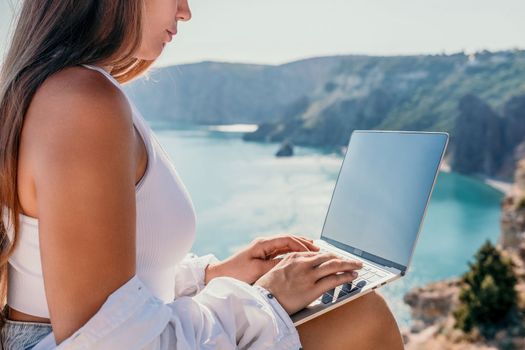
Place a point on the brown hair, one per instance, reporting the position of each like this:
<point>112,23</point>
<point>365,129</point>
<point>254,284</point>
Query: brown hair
<point>50,35</point>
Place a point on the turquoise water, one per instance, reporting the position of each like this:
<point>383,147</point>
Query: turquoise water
<point>241,191</point>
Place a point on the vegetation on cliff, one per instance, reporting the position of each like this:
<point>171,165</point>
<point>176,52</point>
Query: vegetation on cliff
<point>488,299</point>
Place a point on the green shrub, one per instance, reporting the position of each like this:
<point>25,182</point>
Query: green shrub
<point>488,295</point>
<point>521,203</point>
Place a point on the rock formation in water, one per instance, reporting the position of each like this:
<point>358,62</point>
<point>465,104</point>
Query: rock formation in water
<point>286,150</point>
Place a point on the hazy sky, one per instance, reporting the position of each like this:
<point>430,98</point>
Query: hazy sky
<point>278,31</point>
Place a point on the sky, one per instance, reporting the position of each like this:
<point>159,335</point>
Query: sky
<point>280,31</point>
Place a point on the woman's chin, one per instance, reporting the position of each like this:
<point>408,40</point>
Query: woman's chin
<point>151,54</point>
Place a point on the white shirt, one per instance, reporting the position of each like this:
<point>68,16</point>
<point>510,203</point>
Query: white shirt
<point>225,314</point>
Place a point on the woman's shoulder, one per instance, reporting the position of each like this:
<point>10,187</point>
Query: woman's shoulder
<point>77,88</point>
<point>76,113</point>
<point>76,98</point>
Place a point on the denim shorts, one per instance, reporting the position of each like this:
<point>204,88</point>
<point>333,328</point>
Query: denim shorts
<point>18,335</point>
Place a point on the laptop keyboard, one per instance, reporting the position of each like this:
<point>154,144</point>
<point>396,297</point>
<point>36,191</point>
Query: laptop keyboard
<point>368,274</point>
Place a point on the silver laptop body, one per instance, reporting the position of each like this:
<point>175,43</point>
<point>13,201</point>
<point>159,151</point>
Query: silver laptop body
<point>377,209</point>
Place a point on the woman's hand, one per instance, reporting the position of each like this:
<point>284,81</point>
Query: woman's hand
<point>300,278</point>
<point>251,263</point>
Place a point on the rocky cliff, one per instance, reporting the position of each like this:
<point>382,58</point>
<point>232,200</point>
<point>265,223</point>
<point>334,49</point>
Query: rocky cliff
<point>478,98</point>
<point>432,305</point>
<point>486,142</point>
<point>227,93</point>
<point>479,140</point>
<point>512,236</point>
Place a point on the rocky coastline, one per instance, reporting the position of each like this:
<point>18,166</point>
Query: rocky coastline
<point>496,183</point>
<point>432,305</point>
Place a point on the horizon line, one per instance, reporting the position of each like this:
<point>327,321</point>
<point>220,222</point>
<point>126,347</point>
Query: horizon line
<point>356,54</point>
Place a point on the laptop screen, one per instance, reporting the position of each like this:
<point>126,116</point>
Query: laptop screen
<point>382,191</point>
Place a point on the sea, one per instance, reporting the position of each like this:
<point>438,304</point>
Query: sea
<point>241,191</point>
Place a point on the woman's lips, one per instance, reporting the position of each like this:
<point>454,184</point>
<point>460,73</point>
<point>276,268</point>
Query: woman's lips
<point>170,34</point>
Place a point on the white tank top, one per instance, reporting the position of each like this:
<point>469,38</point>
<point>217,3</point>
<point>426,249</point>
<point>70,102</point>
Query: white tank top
<point>165,230</point>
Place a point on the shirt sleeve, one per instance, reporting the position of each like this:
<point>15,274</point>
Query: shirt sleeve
<point>226,314</point>
<point>190,273</point>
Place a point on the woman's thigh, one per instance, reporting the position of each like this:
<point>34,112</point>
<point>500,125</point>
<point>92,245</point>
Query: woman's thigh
<point>363,323</point>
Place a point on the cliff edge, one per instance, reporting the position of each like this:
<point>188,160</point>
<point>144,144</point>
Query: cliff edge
<point>432,305</point>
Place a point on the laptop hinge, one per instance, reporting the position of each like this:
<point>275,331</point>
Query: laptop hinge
<point>393,270</point>
<point>385,264</point>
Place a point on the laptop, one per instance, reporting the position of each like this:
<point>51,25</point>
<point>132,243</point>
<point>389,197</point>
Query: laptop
<point>377,209</point>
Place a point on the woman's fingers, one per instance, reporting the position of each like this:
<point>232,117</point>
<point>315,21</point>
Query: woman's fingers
<point>270,247</point>
<point>334,280</point>
<point>334,266</point>
<point>308,242</point>
<point>282,244</point>
<point>278,252</point>
<point>320,258</point>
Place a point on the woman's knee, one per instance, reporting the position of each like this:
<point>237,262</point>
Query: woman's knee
<point>365,322</point>
<point>375,303</point>
<point>379,320</point>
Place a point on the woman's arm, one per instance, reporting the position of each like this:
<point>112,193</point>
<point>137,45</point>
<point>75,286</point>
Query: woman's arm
<point>80,140</point>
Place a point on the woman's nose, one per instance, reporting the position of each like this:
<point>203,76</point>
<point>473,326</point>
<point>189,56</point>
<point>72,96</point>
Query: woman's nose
<point>183,11</point>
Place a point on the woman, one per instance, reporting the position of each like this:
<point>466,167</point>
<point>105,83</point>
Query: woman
<point>97,223</point>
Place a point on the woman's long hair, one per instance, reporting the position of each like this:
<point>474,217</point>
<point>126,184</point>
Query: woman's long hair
<point>50,35</point>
